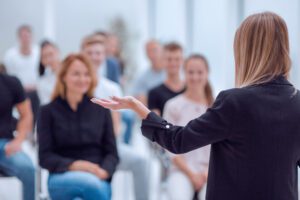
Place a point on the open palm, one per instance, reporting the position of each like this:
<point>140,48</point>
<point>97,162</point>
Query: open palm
<point>116,103</point>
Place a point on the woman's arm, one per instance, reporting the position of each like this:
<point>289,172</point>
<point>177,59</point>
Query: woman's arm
<point>213,126</point>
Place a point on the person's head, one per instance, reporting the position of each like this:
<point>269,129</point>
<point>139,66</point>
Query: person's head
<point>76,76</point>
<point>24,33</point>
<point>196,71</point>
<point>261,49</point>
<point>49,56</point>
<point>154,52</point>
<point>173,58</point>
<point>93,47</point>
<point>113,45</point>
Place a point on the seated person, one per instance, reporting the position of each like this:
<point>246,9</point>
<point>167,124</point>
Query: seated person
<point>130,159</point>
<point>173,85</point>
<point>13,162</point>
<point>48,70</point>
<point>188,172</point>
<point>76,138</point>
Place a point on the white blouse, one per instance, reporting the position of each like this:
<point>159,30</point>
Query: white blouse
<point>179,111</point>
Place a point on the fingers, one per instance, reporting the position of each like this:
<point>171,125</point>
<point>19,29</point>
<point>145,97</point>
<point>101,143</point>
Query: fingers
<point>106,103</point>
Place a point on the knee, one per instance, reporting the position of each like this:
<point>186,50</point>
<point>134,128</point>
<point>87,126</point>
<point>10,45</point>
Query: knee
<point>100,189</point>
<point>26,173</point>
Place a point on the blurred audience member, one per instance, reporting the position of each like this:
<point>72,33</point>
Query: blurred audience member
<point>111,67</point>
<point>22,61</point>
<point>114,50</point>
<point>49,66</point>
<point>188,172</point>
<point>130,160</point>
<point>173,85</point>
<point>76,138</point>
<point>14,162</point>
<point>2,69</point>
<point>152,76</point>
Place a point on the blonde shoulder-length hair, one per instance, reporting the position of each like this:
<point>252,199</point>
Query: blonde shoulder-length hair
<point>261,49</point>
<point>60,87</point>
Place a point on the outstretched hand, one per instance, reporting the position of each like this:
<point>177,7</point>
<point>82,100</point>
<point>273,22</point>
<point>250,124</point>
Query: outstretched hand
<point>127,102</point>
<point>116,103</point>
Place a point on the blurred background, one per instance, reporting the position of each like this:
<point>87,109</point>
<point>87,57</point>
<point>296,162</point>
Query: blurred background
<point>200,26</point>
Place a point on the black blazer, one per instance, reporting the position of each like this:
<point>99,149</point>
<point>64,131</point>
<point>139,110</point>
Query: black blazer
<point>66,136</point>
<point>255,137</point>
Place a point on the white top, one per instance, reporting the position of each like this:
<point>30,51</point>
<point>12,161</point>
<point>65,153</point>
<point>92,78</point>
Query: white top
<point>23,67</point>
<point>107,88</point>
<point>46,86</point>
<point>179,111</point>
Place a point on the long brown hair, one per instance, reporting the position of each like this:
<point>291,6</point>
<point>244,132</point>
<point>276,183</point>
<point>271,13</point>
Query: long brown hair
<point>261,49</point>
<point>60,87</point>
<point>207,89</point>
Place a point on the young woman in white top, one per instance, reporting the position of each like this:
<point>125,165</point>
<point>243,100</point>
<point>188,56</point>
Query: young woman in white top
<point>49,66</point>
<point>188,172</point>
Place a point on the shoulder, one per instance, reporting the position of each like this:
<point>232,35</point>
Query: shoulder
<point>236,98</point>
<point>236,93</point>
<point>11,52</point>
<point>175,101</point>
<point>11,81</point>
<point>112,61</point>
<point>157,89</point>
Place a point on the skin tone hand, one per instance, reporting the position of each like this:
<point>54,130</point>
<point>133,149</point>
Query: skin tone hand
<point>82,165</point>
<point>24,126</point>
<point>127,102</point>
<point>198,180</point>
<point>13,147</point>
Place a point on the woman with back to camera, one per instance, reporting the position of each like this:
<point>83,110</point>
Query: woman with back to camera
<point>253,129</point>
<point>76,139</point>
<point>188,172</point>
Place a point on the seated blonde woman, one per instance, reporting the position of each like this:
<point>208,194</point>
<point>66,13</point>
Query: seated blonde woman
<point>76,138</point>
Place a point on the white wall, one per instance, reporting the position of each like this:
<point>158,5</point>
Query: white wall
<point>208,27</point>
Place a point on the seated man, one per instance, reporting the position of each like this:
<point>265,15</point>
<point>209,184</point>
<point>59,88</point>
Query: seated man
<point>13,161</point>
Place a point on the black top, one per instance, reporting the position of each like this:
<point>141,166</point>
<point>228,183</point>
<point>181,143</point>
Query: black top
<point>255,137</point>
<point>158,96</point>
<point>66,136</point>
<point>11,93</point>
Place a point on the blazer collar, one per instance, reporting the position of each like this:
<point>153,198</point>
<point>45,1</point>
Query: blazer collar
<point>279,80</point>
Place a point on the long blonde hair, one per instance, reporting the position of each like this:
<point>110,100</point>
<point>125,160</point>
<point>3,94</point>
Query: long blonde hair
<point>60,87</point>
<point>261,49</point>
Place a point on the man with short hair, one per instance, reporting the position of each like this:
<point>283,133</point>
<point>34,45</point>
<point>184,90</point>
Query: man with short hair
<point>152,76</point>
<point>94,48</point>
<point>22,61</point>
<point>173,84</point>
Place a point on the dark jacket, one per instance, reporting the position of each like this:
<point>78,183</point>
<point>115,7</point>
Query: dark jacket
<point>255,137</point>
<point>66,136</point>
<point>113,69</point>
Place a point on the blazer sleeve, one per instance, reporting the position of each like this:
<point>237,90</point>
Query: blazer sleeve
<point>111,158</point>
<point>48,159</point>
<point>213,126</point>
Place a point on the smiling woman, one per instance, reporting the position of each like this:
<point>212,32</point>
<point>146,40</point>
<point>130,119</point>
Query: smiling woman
<point>76,138</point>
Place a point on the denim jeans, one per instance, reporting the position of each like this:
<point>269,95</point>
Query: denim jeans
<point>128,117</point>
<point>77,185</point>
<point>20,166</point>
